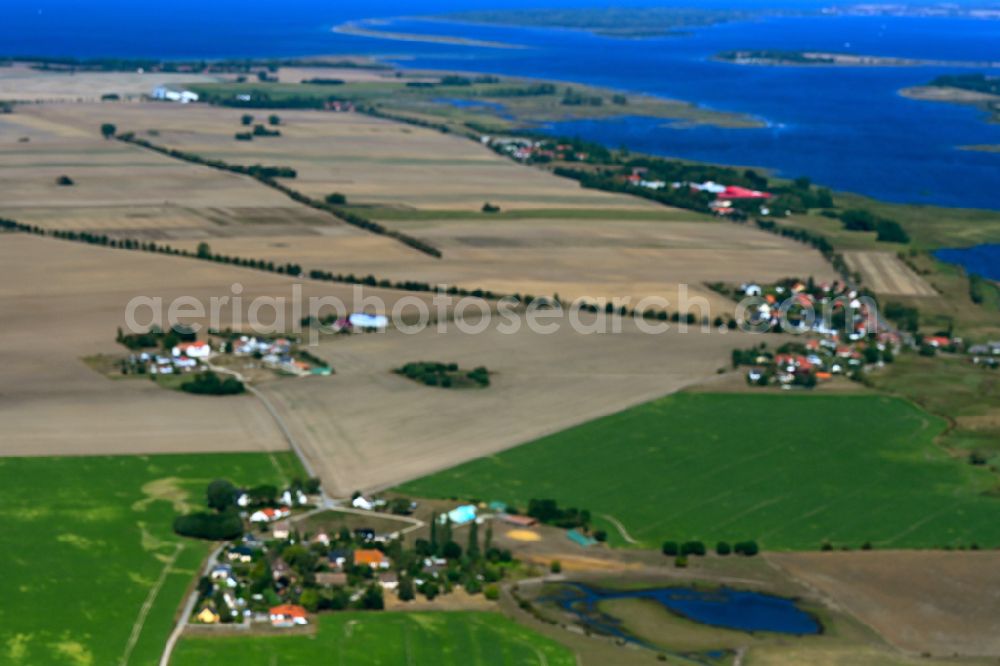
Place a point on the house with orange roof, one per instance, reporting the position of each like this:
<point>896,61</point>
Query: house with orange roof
<point>196,350</point>
<point>371,557</point>
<point>287,615</point>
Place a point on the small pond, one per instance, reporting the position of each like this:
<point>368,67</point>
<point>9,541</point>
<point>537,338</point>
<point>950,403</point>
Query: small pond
<point>721,607</point>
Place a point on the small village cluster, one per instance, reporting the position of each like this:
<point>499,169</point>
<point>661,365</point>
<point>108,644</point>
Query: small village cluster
<point>530,150</point>
<point>284,568</point>
<point>842,332</point>
<point>184,357</point>
<point>725,195</point>
<point>278,355</point>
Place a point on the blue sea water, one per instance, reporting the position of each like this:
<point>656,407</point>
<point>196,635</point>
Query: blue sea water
<point>844,127</point>
<point>981,260</point>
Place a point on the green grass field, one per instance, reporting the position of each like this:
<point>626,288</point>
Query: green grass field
<point>952,387</point>
<point>788,470</point>
<point>93,573</point>
<point>439,638</point>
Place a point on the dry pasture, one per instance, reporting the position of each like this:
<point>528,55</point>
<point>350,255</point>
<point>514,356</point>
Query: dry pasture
<point>886,274</point>
<point>942,603</point>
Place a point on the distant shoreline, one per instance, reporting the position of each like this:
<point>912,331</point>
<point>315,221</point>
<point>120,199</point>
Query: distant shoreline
<point>832,59</point>
<point>358,29</point>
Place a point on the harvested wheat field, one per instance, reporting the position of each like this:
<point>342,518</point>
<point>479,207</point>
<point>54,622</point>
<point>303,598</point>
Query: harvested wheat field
<point>370,160</point>
<point>22,83</point>
<point>369,428</point>
<point>128,192</point>
<point>886,274</point>
<point>62,301</point>
<point>940,603</point>
<point>575,258</point>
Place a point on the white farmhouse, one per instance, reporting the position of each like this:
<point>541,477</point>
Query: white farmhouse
<point>173,95</point>
<point>192,350</point>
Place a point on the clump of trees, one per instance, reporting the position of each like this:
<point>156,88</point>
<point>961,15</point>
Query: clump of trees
<point>262,130</point>
<point>64,181</point>
<point>490,208</point>
<point>209,383</point>
<point>336,199</point>
<point>445,375</point>
<point>155,337</point>
<point>548,511</point>
<point>697,548</point>
<point>886,230</point>
<point>906,317</point>
<point>221,522</point>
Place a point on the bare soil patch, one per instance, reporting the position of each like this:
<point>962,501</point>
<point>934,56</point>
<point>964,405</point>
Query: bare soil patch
<point>940,603</point>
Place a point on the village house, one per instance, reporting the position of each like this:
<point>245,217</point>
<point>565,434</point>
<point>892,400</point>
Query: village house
<point>331,578</point>
<point>195,350</point>
<point>280,569</point>
<point>371,557</point>
<point>269,514</point>
<point>207,616</point>
<point>168,94</point>
<point>281,530</point>
<point>337,558</point>
<point>242,554</point>
<point>287,615</point>
<point>362,502</point>
<point>388,580</point>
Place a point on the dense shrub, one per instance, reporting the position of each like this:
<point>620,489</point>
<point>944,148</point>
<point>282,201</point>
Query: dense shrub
<point>213,526</point>
<point>209,383</point>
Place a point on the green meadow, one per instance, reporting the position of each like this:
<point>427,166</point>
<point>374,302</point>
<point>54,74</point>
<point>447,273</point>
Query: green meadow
<point>791,471</point>
<point>93,573</point>
<point>439,638</point>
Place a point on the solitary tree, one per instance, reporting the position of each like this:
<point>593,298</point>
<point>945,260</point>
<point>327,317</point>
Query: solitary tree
<point>204,251</point>
<point>472,549</point>
<point>246,119</point>
<point>406,592</point>
<point>108,130</point>
<point>221,494</point>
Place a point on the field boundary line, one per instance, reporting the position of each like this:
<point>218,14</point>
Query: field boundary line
<point>147,605</point>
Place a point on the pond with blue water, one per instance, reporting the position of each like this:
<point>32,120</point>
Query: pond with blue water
<point>722,607</point>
